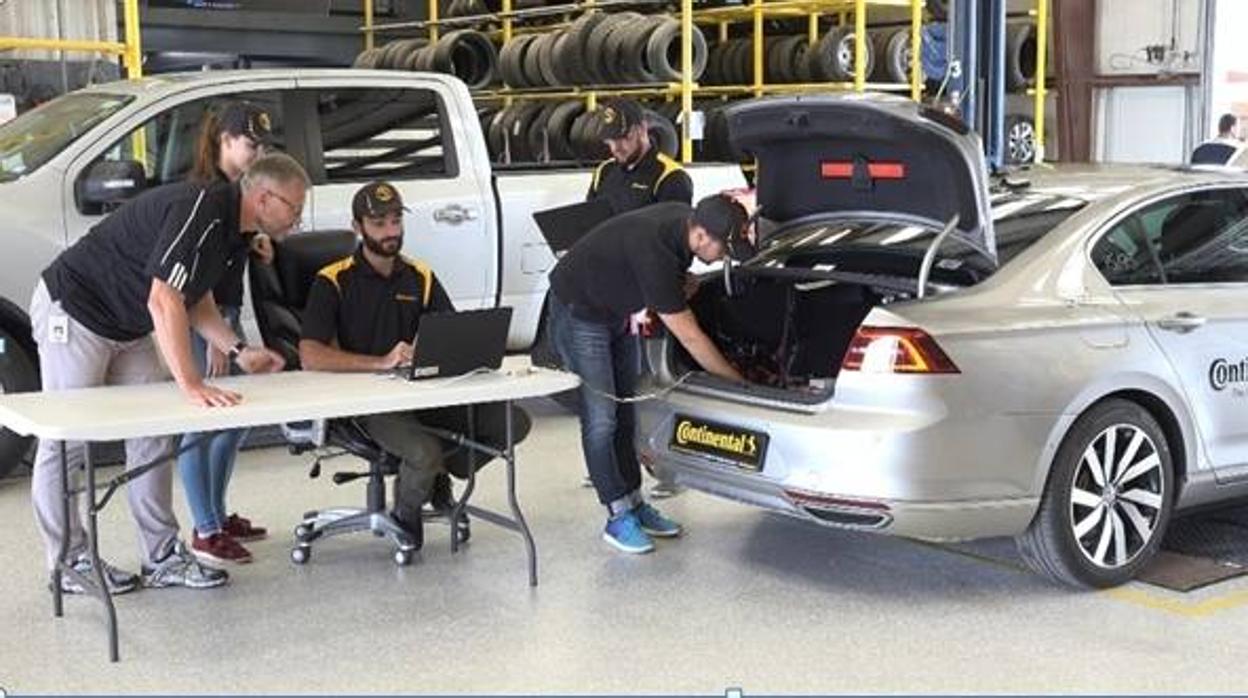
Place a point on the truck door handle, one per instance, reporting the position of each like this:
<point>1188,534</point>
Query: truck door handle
<point>1181,322</point>
<point>454,214</point>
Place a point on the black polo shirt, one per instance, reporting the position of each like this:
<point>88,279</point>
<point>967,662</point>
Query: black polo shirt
<point>635,260</point>
<point>229,290</point>
<point>367,313</point>
<point>182,234</point>
<point>654,178</point>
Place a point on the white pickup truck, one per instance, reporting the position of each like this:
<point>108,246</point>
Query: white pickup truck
<point>471,223</point>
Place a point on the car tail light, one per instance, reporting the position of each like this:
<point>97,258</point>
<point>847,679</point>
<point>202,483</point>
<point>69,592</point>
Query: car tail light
<point>845,169</point>
<point>895,350</point>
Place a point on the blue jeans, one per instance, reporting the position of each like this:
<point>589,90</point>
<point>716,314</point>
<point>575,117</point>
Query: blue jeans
<point>605,356</point>
<point>206,467</point>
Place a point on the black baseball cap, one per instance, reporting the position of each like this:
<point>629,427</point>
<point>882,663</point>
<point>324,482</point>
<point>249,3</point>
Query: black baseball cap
<point>247,119</point>
<point>617,117</point>
<point>376,199</point>
<point>721,217</point>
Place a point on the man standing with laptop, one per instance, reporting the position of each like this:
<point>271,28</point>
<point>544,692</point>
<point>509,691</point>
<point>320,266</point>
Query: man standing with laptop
<point>362,315</point>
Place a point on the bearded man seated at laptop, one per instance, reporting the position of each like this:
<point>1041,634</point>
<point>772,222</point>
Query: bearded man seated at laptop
<point>362,315</point>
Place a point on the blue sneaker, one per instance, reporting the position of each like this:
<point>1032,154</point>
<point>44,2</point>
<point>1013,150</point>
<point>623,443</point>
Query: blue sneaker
<point>655,523</point>
<point>624,532</point>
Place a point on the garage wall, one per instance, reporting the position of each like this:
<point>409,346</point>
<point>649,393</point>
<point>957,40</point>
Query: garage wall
<point>83,19</point>
<point>1142,123</point>
<point>1126,27</point>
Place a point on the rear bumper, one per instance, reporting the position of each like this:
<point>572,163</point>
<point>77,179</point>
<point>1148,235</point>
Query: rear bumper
<point>919,475</point>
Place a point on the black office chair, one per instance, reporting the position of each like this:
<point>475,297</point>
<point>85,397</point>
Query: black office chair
<point>279,293</point>
<point>1212,153</point>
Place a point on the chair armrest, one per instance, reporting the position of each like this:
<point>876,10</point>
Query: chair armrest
<point>305,435</point>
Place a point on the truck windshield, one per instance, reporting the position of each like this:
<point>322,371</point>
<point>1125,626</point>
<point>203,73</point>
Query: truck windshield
<point>35,137</point>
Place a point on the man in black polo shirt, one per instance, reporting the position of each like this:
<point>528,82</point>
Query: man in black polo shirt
<point>634,261</point>
<point>362,315</point>
<point>637,174</point>
<point>148,270</point>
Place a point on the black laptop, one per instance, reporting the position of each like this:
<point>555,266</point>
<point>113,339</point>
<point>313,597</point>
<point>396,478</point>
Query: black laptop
<point>564,225</point>
<point>452,344</point>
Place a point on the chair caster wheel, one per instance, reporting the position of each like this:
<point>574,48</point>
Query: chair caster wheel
<point>402,558</point>
<point>300,554</point>
<point>302,531</point>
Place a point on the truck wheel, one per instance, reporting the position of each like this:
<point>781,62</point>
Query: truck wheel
<point>1108,499</point>
<point>19,373</point>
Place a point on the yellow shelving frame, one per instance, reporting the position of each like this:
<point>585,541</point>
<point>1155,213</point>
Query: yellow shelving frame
<point>129,49</point>
<point>721,17</point>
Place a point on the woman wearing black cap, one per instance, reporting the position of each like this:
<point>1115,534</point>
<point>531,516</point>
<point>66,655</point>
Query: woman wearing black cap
<point>230,140</point>
<point>634,261</point>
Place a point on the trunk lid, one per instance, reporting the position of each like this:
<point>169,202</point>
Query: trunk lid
<point>865,154</point>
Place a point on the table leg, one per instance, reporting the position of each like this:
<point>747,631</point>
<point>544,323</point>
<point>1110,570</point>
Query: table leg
<point>510,457</point>
<point>461,502</point>
<point>58,600</point>
<point>93,549</point>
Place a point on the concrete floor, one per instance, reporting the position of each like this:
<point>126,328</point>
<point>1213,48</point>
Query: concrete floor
<point>745,599</point>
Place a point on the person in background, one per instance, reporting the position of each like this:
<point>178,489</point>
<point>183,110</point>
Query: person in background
<point>230,140</point>
<point>1222,149</point>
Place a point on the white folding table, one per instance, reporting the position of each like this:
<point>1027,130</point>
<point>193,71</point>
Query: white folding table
<point>160,409</point>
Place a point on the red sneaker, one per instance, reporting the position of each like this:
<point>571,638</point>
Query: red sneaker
<point>219,548</point>
<point>240,529</point>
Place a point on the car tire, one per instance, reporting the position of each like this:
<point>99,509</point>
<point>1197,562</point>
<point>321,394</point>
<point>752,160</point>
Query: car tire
<point>1086,534</point>
<point>834,56</point>
<point>663,41</point>
<point>1020,57</point>
<point>540,138</point>
<point>561,120</point>
<point>19,373</point>
<point>532,63</point>
<point>663,133</point>
<point>511,61</point>
<point>575,56</point>
<point>1020,140</point>
<point>468,55</point>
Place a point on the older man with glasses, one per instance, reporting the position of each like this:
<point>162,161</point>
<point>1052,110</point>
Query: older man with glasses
<point>136,284</point>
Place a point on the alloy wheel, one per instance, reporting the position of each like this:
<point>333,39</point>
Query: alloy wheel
<point>1117,496</point>
<point>1022,141</point>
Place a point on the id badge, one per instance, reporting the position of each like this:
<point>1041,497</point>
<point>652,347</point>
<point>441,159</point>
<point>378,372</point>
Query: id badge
<point>58,329</point>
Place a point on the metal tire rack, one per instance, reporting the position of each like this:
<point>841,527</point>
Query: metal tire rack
<point>511,22</point>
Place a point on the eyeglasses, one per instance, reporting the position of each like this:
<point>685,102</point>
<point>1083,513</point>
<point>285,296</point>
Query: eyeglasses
<point>294,210</point>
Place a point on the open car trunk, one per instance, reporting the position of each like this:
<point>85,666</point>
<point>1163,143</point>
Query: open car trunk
<point>786,335</point>
<point>864,192</point>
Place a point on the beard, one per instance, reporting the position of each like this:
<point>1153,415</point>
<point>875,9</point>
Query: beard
<point>385,247</point>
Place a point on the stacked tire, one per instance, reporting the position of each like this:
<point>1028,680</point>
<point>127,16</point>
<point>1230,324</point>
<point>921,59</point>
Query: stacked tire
<point>788,59</point>
<point>601,49</point>
<point>464,53</point>
<point>542,131</point>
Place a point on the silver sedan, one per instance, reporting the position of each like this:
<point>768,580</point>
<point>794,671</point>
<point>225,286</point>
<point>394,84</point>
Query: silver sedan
<point>936,355</point>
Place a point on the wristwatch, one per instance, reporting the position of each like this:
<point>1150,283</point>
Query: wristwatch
<point>237,349</point>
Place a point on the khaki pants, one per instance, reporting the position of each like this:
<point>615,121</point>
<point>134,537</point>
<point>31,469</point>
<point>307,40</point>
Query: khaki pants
<point>84,359</point>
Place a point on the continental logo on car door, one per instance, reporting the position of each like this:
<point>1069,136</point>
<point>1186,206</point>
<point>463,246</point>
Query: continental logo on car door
<point>1223,373</point>
<point>743,447</point>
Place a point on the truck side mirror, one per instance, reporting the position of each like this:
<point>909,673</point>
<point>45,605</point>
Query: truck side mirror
<point>109,182</point>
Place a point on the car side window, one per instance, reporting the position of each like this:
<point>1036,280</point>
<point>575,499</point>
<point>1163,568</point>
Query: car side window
<point>1124,255</point>
<point>379,133</point>
<point>165,144</point>
<point>1205,239</point>
<point>1201,237</point>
